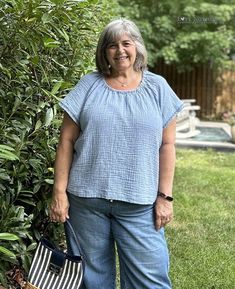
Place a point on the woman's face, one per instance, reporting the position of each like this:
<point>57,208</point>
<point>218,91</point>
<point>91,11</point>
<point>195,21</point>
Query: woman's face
<point>121,54</point>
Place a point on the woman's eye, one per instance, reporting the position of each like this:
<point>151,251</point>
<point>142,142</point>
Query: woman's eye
<point>111,46</point>
<point>115,45</point>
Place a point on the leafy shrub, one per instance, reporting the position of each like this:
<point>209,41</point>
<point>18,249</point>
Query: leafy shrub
<point>45,47</point>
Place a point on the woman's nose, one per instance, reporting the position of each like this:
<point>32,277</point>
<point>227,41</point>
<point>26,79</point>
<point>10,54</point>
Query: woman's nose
<point>120,48</point>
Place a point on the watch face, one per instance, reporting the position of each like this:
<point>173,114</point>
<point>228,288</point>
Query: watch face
<point>169,198</point>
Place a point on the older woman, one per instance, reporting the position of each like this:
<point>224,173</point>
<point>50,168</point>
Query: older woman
<point>115,164</point>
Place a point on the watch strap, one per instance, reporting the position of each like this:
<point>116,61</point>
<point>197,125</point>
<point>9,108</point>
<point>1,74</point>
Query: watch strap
<point>164,196</point>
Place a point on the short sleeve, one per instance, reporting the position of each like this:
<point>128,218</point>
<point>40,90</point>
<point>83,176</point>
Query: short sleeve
<point>74,100</point>
<point>170,104</point>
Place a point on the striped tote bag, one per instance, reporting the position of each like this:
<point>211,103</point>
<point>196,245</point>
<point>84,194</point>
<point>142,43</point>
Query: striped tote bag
<point>51,268</point>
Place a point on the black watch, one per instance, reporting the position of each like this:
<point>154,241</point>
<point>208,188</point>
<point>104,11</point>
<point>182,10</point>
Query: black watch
<point>162,195</point>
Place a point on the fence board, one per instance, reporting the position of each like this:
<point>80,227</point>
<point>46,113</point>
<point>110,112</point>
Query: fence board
<point>215,94</point>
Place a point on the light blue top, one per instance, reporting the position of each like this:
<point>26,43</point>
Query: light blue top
<point>117,153</point>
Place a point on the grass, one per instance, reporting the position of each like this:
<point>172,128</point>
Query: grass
<point>201,238</point>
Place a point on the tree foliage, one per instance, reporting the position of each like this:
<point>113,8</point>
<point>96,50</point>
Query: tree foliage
<point>45,47</point>
<point>185,32</point>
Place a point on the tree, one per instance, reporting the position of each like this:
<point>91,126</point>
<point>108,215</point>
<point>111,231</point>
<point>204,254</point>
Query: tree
<point>185,32</point>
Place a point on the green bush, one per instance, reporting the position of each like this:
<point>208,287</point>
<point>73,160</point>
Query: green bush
<point>45,47</point>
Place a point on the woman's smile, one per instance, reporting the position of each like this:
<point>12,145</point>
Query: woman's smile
<point>121,58</point>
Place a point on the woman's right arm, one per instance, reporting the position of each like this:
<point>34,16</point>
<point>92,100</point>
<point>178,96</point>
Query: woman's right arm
<point>64,156</point>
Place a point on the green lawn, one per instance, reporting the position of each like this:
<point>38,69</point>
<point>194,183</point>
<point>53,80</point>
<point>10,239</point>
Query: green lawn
<point>202,236</point>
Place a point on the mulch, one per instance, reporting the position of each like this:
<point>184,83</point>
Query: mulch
<point>16,278</point>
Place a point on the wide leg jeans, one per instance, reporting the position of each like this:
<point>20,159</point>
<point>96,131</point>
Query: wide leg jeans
<point>101,226</point>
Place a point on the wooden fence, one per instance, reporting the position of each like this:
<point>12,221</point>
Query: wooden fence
<point>215,94</point>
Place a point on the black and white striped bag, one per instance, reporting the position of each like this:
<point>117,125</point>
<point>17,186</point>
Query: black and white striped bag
<point>51,268</point>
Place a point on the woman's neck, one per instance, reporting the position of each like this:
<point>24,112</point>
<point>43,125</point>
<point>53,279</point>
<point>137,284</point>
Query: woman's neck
<point>124,79</point>
<point>125,74</point>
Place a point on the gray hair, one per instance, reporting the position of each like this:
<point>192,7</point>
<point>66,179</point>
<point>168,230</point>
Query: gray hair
<point>114,30</point>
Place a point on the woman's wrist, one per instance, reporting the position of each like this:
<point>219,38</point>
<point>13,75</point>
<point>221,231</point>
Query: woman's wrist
<point>164,196</point>
<point>58,191</point>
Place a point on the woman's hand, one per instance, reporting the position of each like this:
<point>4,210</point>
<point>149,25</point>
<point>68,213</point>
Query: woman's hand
<point>59,208</point>
<point>163,212</point>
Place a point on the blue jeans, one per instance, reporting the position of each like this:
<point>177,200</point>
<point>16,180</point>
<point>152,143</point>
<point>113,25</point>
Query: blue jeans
<point>103,225</point>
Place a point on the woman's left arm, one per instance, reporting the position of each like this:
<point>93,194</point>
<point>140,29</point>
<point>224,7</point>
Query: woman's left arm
<point>164,208</point>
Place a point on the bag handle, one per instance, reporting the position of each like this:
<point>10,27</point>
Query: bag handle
<point>69,227</point>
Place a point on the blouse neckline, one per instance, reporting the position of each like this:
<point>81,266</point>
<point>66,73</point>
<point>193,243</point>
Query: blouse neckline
<point>126,90</point>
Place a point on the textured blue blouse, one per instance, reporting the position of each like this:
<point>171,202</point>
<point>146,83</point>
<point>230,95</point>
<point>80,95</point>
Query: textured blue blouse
<point>116,155</point>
